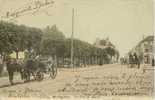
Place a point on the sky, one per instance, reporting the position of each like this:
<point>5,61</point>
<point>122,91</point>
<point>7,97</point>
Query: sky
<point>125,22</point>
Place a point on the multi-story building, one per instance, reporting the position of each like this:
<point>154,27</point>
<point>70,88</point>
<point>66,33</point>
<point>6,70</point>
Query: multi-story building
<point>145,49</point>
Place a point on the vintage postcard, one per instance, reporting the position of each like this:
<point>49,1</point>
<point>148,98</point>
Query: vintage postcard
<point>77,49</point>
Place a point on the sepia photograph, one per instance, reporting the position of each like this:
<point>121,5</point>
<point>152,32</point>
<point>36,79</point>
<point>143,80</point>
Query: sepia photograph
<point>77,49</point>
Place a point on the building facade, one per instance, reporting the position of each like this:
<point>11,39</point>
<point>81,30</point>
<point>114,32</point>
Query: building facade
<point>145,49</point>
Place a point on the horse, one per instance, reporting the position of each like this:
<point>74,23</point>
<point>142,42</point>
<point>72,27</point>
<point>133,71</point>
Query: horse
<point>13,66</point>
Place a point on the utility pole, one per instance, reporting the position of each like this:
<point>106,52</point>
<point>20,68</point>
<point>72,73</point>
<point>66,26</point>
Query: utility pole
<point>72,38</point>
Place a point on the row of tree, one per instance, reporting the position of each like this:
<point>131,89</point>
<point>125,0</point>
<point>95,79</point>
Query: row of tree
<point>50,41</point>
<point>15,38</point>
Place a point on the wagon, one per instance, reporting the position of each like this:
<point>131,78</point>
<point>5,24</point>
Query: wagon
<point>38,68</point>
<point>134,63</point>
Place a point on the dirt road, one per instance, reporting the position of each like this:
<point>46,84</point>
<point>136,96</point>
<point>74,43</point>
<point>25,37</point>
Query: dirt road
<point>93,81</point>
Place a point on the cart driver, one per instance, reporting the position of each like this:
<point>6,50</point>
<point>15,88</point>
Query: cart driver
<point>50,63</point>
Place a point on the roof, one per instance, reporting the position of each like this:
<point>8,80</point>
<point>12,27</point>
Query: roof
<point>148,38</point>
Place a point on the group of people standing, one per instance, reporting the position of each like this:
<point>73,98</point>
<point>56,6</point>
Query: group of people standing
<point>131,60</point>
<point>134,60</point>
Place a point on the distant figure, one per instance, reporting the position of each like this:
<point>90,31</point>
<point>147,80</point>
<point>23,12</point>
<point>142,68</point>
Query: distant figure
<point>123,60</point>
<point>131,60</point>
<point>50,63</point>
<point>1,66</point>
<point>136,60</point>
<point>153,62</point>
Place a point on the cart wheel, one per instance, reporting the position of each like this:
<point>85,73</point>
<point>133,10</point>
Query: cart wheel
<point>53,72</point>
<point>39,76</point>
<point>26,76</point>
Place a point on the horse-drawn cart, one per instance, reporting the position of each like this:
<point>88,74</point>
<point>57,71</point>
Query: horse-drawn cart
<point>38,69</point>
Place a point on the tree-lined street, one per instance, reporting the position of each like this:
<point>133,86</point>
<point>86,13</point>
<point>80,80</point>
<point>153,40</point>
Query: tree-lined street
<point>82,49</point>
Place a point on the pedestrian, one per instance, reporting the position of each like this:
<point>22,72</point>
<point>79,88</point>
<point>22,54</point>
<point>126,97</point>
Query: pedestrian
<point>152,61</point>
<point>136,60</point>
<point>131,59</point>
<point>50,63</point>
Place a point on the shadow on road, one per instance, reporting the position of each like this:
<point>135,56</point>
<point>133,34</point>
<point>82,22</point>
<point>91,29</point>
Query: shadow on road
<point>17,83</point>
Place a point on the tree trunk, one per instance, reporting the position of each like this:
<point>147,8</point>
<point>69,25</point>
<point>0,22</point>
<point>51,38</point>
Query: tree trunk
<point>63,61</point>
<point>17,54</point>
